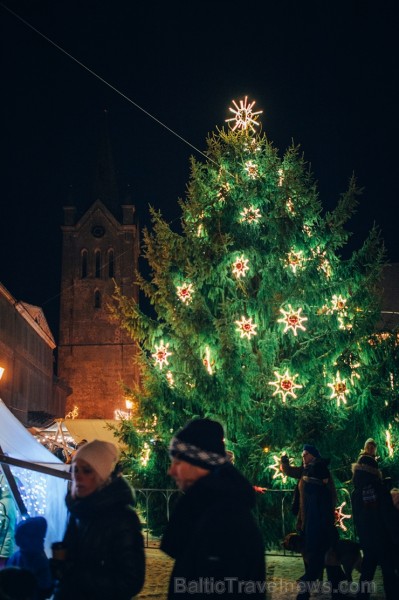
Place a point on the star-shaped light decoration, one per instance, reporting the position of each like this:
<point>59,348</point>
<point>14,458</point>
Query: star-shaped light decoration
<point>338,304</point>
<point>251,169</point>
<point>295,260</point>
<point>244,117</point>
<point>285,384</point>
<point>246,328</point>
<point>161,354</point>
<point>185,292</point>
<point>339,389</point>
<point>250,215</point>
<point>292,319</point>
<point>240,266</point>
<point>276,467</point>
<point>340,517</point>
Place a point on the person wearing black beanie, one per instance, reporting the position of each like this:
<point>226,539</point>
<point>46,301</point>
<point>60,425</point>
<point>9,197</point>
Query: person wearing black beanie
<point>212,534</point>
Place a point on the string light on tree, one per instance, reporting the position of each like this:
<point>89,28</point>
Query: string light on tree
<point>339,389</point>
<point>240,266</point>
<point>280,177</point>
<point>185,292</point>
<point>246,327</point>
<point>244,117</point>
<point>250,215</point>
<point>292,319</point>
<point>340,517</point>
<point>161,354</point>
<point>290,206</point>
<point>169,379</point>
<point>285,385</point>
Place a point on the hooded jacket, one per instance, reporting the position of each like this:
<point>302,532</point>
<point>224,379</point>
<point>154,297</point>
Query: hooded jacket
<point>29,537</point>
<point>105,549</point>
<point>215,541</point>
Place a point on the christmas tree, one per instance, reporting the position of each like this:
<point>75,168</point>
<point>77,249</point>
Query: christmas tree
<point>260,320</point>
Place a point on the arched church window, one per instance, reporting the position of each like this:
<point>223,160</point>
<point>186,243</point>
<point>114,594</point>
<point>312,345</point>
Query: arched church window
<point>97,299</point>
<point>97,258</point>
<point>111,263</point>
<point>83,264</point>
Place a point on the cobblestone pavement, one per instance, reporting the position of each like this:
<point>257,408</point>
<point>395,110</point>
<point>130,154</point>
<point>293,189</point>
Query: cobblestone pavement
<point>282,573</point>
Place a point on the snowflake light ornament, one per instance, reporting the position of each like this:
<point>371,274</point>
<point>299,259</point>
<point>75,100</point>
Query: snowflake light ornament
<point>244,117</point>
<point>246,328</point>
<point>276,467</point>
<point>285,384</point>
<point>185,292</point>
<point>339,389</point>
<point>295,260</point>
<point>161,354</point>
<point>251,169</point>
<point>338,304</point>
<point>250,215</point>
<point>240,266</point>
<point>340,517</point>
<point>292,319</point>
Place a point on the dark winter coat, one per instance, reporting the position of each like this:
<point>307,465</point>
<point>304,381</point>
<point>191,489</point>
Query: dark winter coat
<point>105,550</point>
<point>212,536</point>
<point>316,504</point>
<point>29,537</point>
<point>373,511</point>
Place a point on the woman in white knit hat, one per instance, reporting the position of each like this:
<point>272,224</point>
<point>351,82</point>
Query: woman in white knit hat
<point>103,541</point>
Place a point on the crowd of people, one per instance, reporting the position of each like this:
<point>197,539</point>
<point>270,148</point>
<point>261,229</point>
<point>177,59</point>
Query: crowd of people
<point>212,534</point>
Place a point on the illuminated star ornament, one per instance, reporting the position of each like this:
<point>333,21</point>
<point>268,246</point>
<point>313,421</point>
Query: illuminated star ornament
<point>161,354</point>
<point>185,292</point>
<point>251,169</point>
<point>250,215</point>
<point>285,385</point>
<point>207,361</point>
<point>292,319</point>
<point>295,260</point>
<point>339,389</point>
<point>246,327</point>
<point>244,117</point>
<point>277,469</point>
<point>240,267</point>
<point>340,517</point>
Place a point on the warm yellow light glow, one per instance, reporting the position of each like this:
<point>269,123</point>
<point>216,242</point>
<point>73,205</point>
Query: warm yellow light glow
<point>388,439</point>
<point>276,467</point>
<point>339,389</point>
<point>1,372</point>
<point>185,292</point>
<point>285,384</point>
<point>244,116</point>
<point>250,215</point>
<point>251,169</point>
<point>240,266</point>
<point>246,327</point>
<point>208,362</point>
<point>161,354</point>
<point>292,319</point>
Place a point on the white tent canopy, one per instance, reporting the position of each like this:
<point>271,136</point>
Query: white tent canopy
<point>42,494</point>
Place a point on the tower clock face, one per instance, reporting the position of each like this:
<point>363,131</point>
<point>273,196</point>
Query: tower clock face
<point>98,231</point>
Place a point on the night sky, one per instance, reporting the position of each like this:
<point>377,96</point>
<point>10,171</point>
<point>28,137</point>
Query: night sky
<point>325,74</point>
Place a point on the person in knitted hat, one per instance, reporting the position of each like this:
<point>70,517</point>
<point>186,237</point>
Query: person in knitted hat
<point>375,521</point>
<point>212,534</point>
<point>314,504</point>
<point>103,540</point>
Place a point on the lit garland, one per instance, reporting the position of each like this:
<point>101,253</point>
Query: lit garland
<point>290,206</point>
<point>33,489</point>
<point>339,389</point>
<point>240,266</point>
<point>145,454</point>
<point>250,215</point>
<point>285,384</point>
<point>169,379</point>
<point>244,117</point>
<point>246,327</point>
<point>207,361</point>
<point>185,292</point>
<point>340,517</point>
<point>292,319</point>
<point>251,169</point>
<point>278,473</point>
<point>161,354</point>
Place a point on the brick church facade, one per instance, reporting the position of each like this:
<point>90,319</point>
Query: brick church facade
<point>100,248</point>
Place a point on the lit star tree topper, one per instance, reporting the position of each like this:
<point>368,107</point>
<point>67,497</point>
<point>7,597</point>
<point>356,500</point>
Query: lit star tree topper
<point>244,117</point>
<point>161,354</point>
<point>285,384</point>
<point>246,327</point>
<point>240,266</point>
<point>292,319</point>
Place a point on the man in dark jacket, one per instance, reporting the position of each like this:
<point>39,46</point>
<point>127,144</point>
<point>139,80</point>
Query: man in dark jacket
<point>212,535</point>
<point>374,519</point>
<point>316,500</point>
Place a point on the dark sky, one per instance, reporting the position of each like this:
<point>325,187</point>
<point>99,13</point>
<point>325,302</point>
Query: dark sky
<point>325,74</point>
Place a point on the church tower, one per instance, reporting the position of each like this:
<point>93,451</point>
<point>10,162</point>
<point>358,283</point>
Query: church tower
<point>100,248</point>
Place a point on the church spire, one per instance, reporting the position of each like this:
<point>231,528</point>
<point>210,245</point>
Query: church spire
<point>105,186</point>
